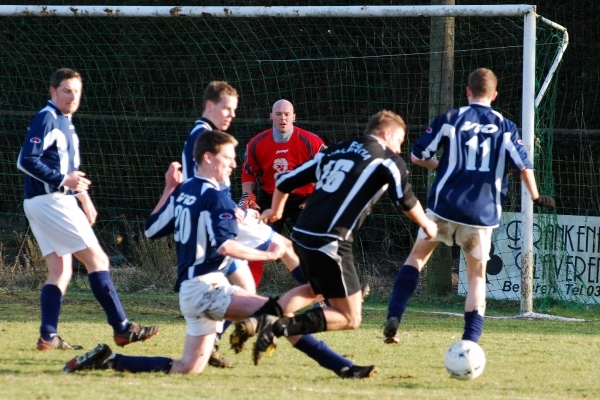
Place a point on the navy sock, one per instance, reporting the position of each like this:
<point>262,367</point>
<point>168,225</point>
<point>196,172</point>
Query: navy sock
<point>106,294</point>
<point>299,275</point>
<point>404,286</point>
<point>50,302</point>
<point>319,351</point>
<point>140,364</point>
<point>473,326</point>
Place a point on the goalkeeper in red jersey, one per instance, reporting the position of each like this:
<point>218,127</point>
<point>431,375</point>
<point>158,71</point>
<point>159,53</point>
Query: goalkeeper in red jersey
<point>279,149</point>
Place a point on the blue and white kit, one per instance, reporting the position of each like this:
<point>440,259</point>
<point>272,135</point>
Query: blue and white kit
<point>251,231</point>
<point>476,140</point>
<point>50,151</point>
<point>201,218</point>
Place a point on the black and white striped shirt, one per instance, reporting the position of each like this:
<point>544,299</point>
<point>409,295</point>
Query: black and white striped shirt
<point>349,178</point>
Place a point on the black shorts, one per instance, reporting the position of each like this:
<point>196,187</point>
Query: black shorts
<point>327,276</point>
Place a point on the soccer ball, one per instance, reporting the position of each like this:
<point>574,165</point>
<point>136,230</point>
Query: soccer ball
<point>464,360</point>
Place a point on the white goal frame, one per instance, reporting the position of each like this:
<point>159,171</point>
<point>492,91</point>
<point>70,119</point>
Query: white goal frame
<point>530,100</point>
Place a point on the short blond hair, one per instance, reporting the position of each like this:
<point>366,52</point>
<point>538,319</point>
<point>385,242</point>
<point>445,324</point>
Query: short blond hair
<point>382,121</point>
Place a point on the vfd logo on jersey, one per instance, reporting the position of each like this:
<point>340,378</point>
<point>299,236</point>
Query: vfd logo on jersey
<point>35,140</point>
<point>226,216</point>
<point>186,199</point>
<point>488,128</point>
<point>280,165</point>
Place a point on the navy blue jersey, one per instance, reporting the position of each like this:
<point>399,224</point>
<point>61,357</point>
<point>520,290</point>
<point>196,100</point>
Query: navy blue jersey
<point>50,151</point>
<point>350,177</point>
<point>187,158</point>
<point>201,218</point>
<point>471,179</point>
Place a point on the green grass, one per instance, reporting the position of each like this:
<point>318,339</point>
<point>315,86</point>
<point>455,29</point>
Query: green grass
<point>525,359</point>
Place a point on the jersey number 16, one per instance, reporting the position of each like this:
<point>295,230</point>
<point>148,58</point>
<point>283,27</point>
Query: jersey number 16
<point>334,173</point>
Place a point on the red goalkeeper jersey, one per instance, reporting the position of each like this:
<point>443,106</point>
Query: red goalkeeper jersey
<point>264,158</point>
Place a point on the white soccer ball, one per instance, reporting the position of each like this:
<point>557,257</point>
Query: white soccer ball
<point>464,360</point>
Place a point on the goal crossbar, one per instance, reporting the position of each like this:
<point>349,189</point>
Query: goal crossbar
<point>283,11</point>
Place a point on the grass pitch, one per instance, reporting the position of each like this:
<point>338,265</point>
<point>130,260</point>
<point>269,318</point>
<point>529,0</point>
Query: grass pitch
<point>525,359</point>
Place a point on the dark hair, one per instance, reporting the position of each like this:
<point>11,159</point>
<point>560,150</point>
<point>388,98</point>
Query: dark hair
<point>482,82</point>
<point>62,74</point>
<point>212,142</point>
<point>215,91</point>
<point>383,120</point>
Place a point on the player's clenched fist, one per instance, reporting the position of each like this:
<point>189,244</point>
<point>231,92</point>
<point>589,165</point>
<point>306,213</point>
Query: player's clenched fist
<point>275,250</point>
<point>269,216</point>
<point>248,201</point>
<point>173,176</point>
<point>76,181</point>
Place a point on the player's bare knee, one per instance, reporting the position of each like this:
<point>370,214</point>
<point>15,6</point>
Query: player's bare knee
<point>100,262</point>
<point>354,321</point>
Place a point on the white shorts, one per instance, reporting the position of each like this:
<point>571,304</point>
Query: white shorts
<point>58,224</point>
<point>253,232</point>
<point>203,301</point>
<point>476,241</point>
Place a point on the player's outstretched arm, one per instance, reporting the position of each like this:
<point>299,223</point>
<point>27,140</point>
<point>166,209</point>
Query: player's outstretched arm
<point>173,177</point>
<point>418,215</point>
<point>236,249</point>
<point>277,205</point>
<point>540,200</point>
<point>430,163</point>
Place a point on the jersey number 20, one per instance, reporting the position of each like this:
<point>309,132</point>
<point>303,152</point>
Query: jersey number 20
<point>183,224</point>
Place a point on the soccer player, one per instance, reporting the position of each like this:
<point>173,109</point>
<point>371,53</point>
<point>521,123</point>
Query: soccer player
<point>53,184</point>
<point>220,101</point>
<point>279,149</point>
<point>350,177</point>
<point>202,219</point>
<point>466,198</point>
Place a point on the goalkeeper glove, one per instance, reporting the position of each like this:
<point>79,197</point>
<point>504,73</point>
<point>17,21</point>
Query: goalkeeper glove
<point>545,201</point>
<point>248,201</point>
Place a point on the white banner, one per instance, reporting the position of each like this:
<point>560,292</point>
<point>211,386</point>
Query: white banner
<point>566,259</point>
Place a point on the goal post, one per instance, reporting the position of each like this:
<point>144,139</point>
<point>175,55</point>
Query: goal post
<point>144,68</point>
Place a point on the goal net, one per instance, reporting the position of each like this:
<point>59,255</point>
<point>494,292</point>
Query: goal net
<point>145,68</point>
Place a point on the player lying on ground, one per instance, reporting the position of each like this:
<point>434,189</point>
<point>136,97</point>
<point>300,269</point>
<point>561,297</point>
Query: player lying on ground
<point>465,200</point>
<point>202,219</point>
